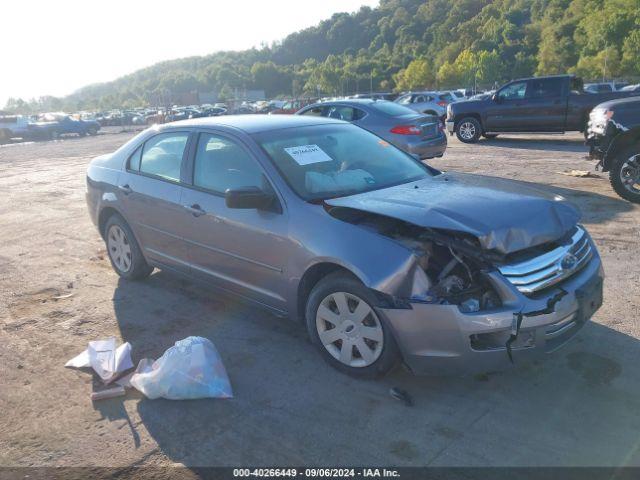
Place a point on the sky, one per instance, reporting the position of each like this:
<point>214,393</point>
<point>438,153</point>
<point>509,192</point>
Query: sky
<point>62,45</point>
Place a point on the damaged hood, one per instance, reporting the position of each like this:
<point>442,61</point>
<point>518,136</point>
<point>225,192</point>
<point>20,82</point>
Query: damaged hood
<point>504,215</point>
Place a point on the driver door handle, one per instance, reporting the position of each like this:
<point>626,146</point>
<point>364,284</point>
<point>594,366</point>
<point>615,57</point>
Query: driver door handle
<point>126,189</point>
<point>194,209</point>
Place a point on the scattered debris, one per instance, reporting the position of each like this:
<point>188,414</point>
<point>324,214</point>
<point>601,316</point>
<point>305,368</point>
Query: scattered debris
<point>401,395</point>
<point>105,359</point>
<point>112,392</point>
<point>579,173</point>
<point>191,369</point>
<point>61,297</point>
<point>144,366</point>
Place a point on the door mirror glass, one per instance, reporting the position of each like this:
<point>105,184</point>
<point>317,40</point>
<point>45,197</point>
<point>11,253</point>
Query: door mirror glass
<point>248,198</point>
<point>495,98</point>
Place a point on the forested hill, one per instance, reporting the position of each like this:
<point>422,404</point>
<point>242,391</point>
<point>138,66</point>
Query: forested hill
<point>399,45</point>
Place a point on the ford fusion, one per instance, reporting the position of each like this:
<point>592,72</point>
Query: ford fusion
<point>383,258</point>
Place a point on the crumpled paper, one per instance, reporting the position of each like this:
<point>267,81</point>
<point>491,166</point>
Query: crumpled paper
<point>105,359</point>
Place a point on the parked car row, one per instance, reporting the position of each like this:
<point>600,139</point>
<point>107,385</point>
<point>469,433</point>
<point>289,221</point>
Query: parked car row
<point>47,126</point>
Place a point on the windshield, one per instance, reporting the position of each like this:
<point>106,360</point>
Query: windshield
<point>391,108</point>
<point>325,161</point>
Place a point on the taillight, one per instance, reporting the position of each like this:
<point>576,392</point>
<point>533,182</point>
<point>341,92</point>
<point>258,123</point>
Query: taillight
<point>406,130</point>
<point>442,103</point>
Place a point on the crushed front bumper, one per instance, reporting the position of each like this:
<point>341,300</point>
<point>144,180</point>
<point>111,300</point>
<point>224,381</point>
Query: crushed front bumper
<point>441,340</point>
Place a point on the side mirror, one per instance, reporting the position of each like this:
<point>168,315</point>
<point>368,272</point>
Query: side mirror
<point>248,197</point>
<point>495,98</point>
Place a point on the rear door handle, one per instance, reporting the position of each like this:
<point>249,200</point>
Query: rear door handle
<point>126,189</point>
<point>194,209</point>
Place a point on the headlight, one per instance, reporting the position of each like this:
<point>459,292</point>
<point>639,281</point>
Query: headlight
<point>601,114</point>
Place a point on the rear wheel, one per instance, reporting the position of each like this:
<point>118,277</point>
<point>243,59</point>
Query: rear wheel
<point>344,325</point>
<point>123,249</point>
<point>468,130</point>
<point>625,174</point>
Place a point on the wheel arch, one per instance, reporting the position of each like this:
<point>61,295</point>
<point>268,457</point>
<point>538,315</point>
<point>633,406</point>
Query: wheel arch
<point>103,217</point>
<point>461,116</point>
<point>310,279</point>
<point>620,143</point>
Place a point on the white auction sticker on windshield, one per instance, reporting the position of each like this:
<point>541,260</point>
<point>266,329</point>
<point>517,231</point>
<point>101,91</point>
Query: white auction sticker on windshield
<point>307,154</point>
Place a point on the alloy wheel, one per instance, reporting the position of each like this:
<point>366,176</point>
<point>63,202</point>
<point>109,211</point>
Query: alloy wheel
<point>119,248</point>
<point>467,130</point>
<point>349,329</point>
<point>630,174</point>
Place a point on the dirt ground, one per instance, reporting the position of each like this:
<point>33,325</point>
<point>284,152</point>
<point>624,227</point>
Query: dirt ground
<point>581,406</point>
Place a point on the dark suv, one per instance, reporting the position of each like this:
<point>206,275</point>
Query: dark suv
<point>614,137</point>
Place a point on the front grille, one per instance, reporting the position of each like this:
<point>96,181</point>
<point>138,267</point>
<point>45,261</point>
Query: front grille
<point>535,274</point>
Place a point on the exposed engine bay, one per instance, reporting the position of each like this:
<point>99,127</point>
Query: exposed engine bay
<point>453,266</point>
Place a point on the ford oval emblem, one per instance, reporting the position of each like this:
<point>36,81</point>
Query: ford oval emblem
<point>568,262</point>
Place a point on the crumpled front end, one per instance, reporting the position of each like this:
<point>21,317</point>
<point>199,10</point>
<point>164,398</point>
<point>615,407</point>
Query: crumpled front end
<point>531,305</point>
<point>455,307</point>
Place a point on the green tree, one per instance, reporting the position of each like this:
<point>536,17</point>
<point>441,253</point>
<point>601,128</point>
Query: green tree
<point>418,74</point>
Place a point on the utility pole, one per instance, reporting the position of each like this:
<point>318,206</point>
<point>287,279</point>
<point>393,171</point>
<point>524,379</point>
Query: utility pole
<point>604,72</point>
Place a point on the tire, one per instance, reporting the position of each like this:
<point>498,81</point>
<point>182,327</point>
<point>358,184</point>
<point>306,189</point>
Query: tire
<point>54,135</point>
<point>5,136</point>
<point>93,131</point>
<point>123,250</point>
<point>372,354</point>
<point>625,174</point>
<point>490,136</point>
<point>468,130</point>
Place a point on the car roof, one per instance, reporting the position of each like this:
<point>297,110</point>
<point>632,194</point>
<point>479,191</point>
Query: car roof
<point>353,101</point>
<point>252,123</point>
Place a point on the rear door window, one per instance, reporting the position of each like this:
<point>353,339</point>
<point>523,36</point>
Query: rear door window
<point>162,155</point>
<point>342,112</point>
<point>315,112</point>
<point>134,160</point>
<point>545,87</point>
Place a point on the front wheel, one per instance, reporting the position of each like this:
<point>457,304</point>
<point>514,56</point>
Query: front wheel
<point>468,130</point>
<point>123,250</point>
<point>625,174</point>
<point>344,325</point>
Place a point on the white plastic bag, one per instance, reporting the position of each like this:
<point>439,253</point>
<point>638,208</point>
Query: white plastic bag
<point>192,368</point>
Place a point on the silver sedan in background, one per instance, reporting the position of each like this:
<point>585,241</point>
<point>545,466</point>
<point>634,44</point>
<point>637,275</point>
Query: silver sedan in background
<point>417,134</point>
<point>431,103</point>
<point>383,258</point>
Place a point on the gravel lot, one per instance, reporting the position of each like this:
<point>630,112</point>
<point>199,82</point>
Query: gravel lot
<point>581,406</point>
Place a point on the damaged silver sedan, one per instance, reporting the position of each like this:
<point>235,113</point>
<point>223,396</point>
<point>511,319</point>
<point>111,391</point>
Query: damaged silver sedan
<point>384,258</point>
